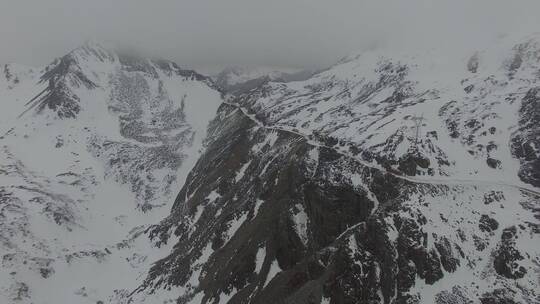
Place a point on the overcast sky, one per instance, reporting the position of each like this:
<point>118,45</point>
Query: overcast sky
<point>295,33</point>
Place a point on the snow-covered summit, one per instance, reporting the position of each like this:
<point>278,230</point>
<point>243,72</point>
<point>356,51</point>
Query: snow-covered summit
<point>94,147</point>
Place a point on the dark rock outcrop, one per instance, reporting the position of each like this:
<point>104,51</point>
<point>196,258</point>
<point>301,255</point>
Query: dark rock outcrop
<point>526,139</point>
<point>487,223</point>
<point>507,256</point>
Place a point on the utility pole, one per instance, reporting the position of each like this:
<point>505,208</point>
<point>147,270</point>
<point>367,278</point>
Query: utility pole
<point>418,126</point>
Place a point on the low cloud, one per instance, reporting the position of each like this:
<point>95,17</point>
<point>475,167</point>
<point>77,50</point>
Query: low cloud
<point>294,33</point>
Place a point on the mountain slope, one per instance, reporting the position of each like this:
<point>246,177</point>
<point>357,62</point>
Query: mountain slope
<point>388,178</point>
<point>274,219</point>
<point>94,148</point>
<point>338,190</point>
<point>373,104</point>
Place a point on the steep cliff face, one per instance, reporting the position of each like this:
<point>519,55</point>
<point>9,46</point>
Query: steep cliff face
<point>384,179</point>
<point>266,216</point>
<point>526,139</point>
<point>256,204</point>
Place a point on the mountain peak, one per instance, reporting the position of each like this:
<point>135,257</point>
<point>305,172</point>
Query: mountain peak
<point>95,49</point>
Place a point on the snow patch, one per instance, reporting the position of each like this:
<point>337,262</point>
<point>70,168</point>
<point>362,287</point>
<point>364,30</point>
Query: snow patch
<point>272,272</point>
<point>241,172</point>
<point>300,220</point>
<point>259,259</point>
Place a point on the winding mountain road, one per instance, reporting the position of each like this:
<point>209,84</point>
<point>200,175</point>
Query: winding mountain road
<point>420,180</point>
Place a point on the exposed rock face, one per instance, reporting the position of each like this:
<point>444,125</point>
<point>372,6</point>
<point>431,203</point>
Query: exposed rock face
<point>338,189</point>
<point>61,75</point>
<point>507,257</point>
<point>498,296</point>
<point>272,205</point>
<point>487,223</point>
<point>409,163</point>
<point>526,140</point>
<point>266,217</point>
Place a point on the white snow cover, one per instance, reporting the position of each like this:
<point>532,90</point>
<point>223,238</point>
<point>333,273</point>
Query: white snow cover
<point>372,102</point>
<point>258,204</point>
<point>259,259</point>
<point>455,214</point>
<point>72,210</point>
<point>240,173</point>
<point>214,195</point>
<point>234,225</point>
<point>272,272</point>
<point>300,220</point>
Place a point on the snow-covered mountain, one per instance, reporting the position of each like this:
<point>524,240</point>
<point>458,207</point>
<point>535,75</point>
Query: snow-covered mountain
<point>387,178</point>
<point>94,148</point>
<point>374,105</point>
<point>240,79</point>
